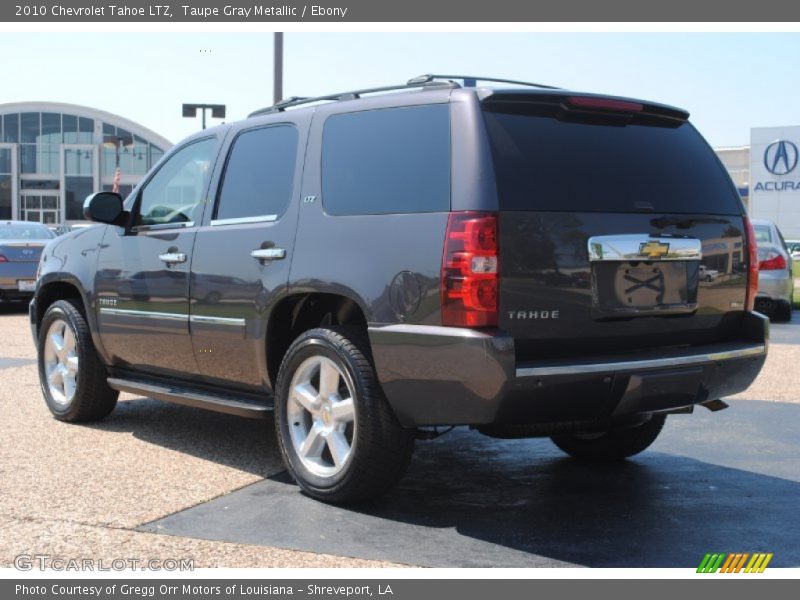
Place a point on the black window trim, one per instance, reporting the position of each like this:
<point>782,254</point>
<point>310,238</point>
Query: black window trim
<point>214,222</point>
<point>164,160</point>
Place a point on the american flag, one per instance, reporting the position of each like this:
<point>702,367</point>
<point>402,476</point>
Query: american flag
<point>117,177</point>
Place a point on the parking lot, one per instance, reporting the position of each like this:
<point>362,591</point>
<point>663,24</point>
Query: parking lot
<point>157,481</point>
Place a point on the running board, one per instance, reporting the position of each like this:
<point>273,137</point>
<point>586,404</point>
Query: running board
<point>232,405</point>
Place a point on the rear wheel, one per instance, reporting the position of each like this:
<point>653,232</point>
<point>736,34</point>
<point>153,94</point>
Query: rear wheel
<point>616,444</point>
<point>73,378</point>
<point>337,435</point>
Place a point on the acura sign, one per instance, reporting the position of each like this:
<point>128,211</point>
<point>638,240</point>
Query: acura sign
<point>775,177</point>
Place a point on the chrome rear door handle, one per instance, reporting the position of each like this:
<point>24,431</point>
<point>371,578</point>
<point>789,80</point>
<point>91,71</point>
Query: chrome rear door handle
<point>268,253</point>
<point>172,258</point>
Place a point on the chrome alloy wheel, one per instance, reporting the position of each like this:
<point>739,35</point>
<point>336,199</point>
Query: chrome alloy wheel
<point>61,362</point>
<point>321,415</point>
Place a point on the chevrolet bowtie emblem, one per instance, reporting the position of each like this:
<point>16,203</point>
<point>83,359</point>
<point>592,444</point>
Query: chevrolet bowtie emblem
<point>653,249</point>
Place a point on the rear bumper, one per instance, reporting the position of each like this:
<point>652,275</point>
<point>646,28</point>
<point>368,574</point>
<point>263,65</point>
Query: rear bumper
<point>10,274</point>
<point>449,376</point>
<point>775,285</point>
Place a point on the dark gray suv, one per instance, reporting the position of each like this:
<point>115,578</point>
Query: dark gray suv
<point>374,264</point>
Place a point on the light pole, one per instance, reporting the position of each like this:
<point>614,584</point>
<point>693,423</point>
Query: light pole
<point>217,111</point>
<point>277,86</point>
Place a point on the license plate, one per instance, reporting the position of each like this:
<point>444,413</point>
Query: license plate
<point>623,288</point>
<point>26,285</point>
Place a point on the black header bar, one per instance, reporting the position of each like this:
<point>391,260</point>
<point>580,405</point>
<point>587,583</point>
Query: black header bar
<point>440,11</point>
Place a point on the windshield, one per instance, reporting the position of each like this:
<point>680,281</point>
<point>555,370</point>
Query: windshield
<point>24,231</point>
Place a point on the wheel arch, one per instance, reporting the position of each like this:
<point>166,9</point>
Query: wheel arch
<point>299,312</point>
<point>65,286</point>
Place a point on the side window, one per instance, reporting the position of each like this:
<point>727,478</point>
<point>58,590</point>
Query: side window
<point>176,191</point>
<point>259,176</point>
<point>392,160</point>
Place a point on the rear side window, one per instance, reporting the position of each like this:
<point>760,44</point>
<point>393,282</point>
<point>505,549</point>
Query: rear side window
<point>259,176</point>
<point>393,160</point>
<point>546,164</point>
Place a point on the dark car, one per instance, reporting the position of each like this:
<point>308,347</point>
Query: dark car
<point>21,244</point>
<point>374,264</point>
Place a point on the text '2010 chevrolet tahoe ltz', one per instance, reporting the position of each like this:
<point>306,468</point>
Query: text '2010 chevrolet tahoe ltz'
<point>521,260</point>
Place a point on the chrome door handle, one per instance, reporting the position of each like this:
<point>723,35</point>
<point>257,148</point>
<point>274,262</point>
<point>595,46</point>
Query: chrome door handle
<point>268,253</point>
<point>172,258</point>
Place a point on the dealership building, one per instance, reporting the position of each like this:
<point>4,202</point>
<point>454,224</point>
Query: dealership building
<point>52,155</point>
<point>767,176</point>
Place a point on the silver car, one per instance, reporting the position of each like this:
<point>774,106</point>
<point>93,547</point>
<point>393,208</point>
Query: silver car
<point>21,246</point>
<point>775,281</point>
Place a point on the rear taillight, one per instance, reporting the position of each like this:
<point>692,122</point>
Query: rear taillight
<point>752,265</point>
<point>470,270</point>
<point>775,262</point>
<point>3,259</point>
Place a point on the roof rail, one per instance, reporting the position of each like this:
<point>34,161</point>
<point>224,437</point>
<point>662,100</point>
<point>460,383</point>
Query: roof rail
<point>352,95</point>
<point>471,81</point>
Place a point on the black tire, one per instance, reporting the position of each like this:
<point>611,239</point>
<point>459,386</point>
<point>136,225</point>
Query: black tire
<point>782,312</point>
<point>381,448</point>
<point>93,399</point>
<point>616,444</point>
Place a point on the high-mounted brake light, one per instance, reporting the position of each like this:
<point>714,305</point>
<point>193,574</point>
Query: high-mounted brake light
<point>752,265</point>
<point>470,270</point>
<point>775,262</point>
<point>592,102</point>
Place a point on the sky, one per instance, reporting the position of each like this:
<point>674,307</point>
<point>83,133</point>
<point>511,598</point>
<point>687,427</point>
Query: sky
<point>729,82</point>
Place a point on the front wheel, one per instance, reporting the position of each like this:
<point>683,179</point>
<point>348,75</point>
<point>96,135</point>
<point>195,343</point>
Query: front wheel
<point>73,378</point>
<point>337,435</point>
<point>616,444</point>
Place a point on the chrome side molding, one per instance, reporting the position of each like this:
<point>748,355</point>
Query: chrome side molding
<point>643,247</point>
<point>144,314</point>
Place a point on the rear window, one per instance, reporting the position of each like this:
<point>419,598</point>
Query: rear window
<point>543,163</point>
<point>393,160</point>
<point>763,234</point>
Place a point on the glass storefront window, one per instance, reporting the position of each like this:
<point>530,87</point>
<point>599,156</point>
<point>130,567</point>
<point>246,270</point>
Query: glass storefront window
<point>11,128</point>
<point>86,130</point>
<point>38,159</point>
<point>5,196</point>
<point>51,128</point>
<point>30,128</point>
<point>5,160</point>
<point>70,125</point>
<point>39,184</point>
<point>77,162</point>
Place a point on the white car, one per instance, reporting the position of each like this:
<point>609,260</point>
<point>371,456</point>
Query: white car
<point>707,274</point>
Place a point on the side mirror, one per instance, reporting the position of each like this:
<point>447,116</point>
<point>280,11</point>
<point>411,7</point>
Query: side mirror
<point>104,207</point>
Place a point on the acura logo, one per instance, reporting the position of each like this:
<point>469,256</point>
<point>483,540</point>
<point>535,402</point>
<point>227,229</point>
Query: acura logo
<point>780,157</point>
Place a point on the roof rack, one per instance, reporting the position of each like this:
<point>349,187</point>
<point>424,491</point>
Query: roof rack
<point>472,80</point>
<point>352,95</point>
<point>428,80</point>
